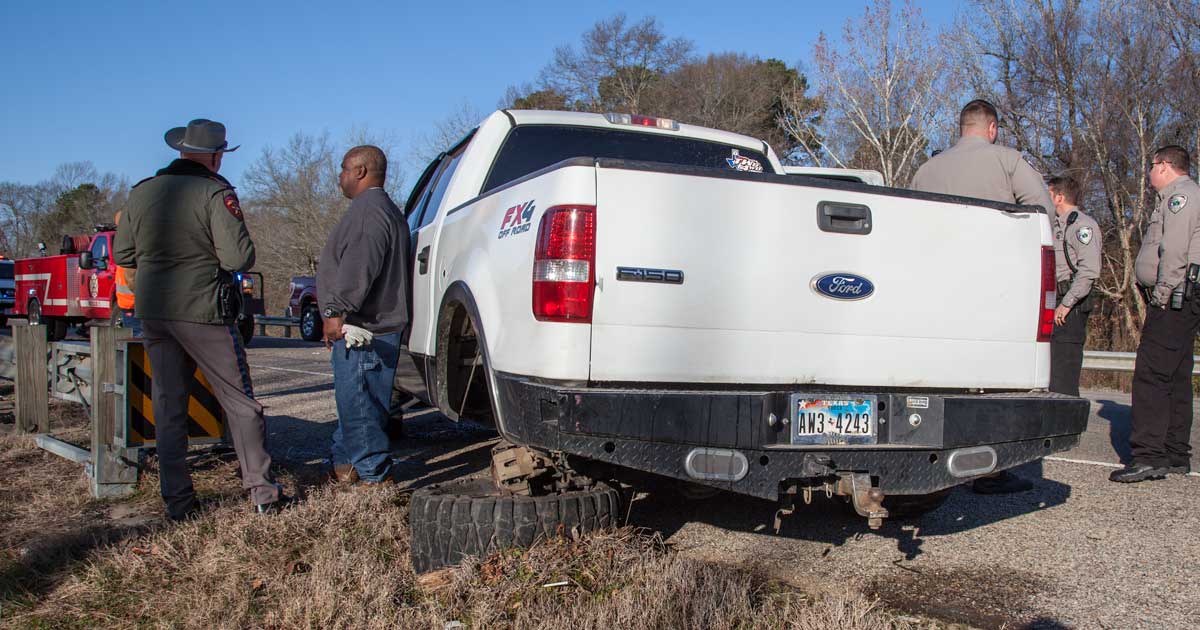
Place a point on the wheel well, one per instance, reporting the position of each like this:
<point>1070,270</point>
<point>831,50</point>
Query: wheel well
<point>462,381</point>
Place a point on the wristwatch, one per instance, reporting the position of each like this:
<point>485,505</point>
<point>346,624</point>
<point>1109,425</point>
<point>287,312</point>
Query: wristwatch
<point>330,313</point>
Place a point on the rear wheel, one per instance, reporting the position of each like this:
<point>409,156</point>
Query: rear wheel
<point>311,327</point>
<point>902,505</point>
<point>472,518</point>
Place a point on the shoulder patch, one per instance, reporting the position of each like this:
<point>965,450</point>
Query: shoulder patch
<point>232,204</point>
<point>1084,235</point>
<point>1176,202</point>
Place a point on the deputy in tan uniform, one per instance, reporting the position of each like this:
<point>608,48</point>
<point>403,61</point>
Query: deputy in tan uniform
<point>1166,268</point>
<point>1077,243</point>
<point>976,167</point>
<point>184,233</point>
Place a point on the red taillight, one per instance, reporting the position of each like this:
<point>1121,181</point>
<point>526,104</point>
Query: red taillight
<point>1047,297</point>
<point>564,265</point>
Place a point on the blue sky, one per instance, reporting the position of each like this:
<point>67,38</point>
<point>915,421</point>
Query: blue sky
<point>102,81</point>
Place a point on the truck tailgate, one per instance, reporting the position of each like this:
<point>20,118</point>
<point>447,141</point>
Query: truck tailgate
<point>956,299</point>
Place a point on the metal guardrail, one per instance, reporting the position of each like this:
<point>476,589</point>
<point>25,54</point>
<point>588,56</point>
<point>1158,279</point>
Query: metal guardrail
<point>287,323</point>
<point>1119,361</point>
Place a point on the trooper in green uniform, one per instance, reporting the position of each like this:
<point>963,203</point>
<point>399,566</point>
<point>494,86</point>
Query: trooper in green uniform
<point>184,233</point>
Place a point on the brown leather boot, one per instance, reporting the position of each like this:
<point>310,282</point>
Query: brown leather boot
<point>344,473</point>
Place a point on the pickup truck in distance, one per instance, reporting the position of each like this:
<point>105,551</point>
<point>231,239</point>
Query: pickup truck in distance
<point>617,293</point>
<point>302,303</point>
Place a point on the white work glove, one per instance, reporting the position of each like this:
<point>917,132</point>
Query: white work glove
<point>356,337</point>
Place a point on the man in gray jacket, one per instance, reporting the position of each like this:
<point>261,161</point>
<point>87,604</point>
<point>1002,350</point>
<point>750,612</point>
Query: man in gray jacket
<point>363,286</point>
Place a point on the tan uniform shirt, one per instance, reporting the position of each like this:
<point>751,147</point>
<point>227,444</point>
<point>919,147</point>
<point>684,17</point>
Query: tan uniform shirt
<point>1171,241</point>
<point>1080,242</point>
<point>974,167</point>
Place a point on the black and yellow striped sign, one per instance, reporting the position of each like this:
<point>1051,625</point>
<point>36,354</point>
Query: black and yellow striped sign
<point>206,421</point>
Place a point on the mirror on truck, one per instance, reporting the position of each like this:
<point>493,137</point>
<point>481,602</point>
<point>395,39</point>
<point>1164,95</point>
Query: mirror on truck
<point>100,263</point>
<point>41,248</point>
<point>85,260</point>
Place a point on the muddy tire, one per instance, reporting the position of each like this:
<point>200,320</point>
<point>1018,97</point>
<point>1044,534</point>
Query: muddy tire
<point>470,518</point>
<point>904,505</point>
<point>311,324</point>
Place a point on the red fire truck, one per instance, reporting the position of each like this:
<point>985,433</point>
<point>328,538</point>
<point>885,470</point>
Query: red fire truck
<point>71,288</point>
<point>78,285</point>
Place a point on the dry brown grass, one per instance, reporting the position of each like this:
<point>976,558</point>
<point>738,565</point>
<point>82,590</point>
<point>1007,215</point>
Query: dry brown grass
<point>340,560</point>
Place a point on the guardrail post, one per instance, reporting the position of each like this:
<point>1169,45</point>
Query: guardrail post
<point>33,399</point>
<point>114,469</point>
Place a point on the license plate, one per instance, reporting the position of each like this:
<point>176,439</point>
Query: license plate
<point>833,419</point>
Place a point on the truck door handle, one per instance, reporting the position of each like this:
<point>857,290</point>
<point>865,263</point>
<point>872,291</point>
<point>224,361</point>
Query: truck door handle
<point>843,218</point>
<point>423,259</point>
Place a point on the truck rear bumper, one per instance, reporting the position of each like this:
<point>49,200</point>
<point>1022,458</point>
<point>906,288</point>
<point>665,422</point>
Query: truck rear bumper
<point>735,440</point>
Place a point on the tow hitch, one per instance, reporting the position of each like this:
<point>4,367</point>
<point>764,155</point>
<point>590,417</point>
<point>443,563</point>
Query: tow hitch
<point>866,499</point>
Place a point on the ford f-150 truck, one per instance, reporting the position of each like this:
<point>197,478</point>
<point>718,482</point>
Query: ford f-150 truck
<point>647,295</point>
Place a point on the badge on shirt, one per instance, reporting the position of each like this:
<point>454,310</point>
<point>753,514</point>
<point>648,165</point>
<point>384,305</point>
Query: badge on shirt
<point>1177,202</point>
<point>1084,235</point>
<point>234,207</point>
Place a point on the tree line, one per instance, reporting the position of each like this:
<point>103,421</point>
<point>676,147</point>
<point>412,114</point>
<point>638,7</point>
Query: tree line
<point>1086,89</point>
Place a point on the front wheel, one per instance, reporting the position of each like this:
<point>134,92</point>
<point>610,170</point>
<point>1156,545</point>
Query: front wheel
<point>246,328</point>
<point>472,518</point>
<point>311,326</point>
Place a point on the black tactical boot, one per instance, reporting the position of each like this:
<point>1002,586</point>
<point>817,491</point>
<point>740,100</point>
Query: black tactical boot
<point>1138,472</point>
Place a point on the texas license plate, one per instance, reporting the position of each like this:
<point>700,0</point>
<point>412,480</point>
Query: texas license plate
<point>833,419</point>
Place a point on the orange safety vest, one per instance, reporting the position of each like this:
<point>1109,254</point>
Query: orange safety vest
<point>124,292</point>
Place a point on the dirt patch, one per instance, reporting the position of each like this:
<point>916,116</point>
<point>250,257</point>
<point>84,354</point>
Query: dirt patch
<point>979,597</point>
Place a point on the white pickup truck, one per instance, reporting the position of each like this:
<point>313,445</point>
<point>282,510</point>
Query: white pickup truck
<point>660,297</point>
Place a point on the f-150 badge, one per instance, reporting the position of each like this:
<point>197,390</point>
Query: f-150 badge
<point>643,274</point>
<point>843,286</point>
<point>740,162</point>
<point>517,219</point>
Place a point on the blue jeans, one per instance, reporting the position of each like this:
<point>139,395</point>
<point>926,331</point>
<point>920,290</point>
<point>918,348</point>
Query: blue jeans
<point>362,386</point>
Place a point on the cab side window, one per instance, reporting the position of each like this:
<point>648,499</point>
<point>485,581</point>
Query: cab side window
<point>446,173</point>
<point>100,248</point>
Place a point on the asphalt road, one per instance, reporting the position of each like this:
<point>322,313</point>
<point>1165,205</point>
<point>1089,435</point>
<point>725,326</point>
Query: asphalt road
<point>1077,551</point>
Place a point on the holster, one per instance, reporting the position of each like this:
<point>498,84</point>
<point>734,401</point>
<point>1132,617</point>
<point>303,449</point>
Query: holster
<point>1083,306</point>
<point>229,297</point>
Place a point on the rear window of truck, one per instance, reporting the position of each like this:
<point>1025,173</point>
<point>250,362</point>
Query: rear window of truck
<point>529,148</point>
<point>6,270</point>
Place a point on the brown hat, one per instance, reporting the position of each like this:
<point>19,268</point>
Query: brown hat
<point>200,136</point>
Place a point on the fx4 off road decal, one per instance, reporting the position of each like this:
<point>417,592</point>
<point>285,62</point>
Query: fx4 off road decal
<point>517,219</point>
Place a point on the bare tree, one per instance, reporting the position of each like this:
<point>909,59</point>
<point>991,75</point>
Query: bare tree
<point>73,201</point>
<point>293,202</point>
<point>615,65</point>
<point>886,92</point>
<point>444,133</point>
<point>1088,90</point>
<point>22,207</point>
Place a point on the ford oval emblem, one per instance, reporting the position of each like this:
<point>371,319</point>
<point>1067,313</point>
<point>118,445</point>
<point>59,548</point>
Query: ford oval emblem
<point>843,286</point>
